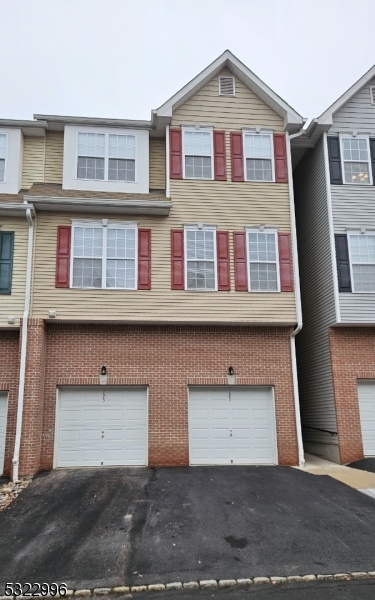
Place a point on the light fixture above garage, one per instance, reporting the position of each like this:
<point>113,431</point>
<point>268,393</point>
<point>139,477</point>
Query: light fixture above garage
<point>230,371</point>
<point>103,370</point>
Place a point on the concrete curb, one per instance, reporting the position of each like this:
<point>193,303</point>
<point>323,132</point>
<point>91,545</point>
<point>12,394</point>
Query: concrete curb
<point>206,584</point>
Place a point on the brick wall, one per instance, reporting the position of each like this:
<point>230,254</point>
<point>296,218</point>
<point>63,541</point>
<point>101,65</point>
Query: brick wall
<point>353,357</point>
<point>9,369</point>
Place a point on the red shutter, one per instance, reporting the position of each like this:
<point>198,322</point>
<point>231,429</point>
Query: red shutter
<point>144,259</point>
<point>222,250</point>
<point>177,256</point>
<point>63,256</point>
<point>236,148</point>
<point>175,147</point>
<point>219,156</point>
<point>240,261</point>
<point>285,261</point>
<point>279,149</point>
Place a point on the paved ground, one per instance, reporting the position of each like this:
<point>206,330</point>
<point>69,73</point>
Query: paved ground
<point>111,526</point>
<point>367,464</point>
<point>355,478</point>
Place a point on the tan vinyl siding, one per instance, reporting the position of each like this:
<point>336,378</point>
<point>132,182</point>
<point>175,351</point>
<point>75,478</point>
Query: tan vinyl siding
<point>54,157</point>
<point>12,305</point>
<point>244,109</point>
<point>157,164</point>
<point>33,161</point>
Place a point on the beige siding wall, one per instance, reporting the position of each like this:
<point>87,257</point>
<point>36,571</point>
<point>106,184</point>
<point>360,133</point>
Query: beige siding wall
<point>157,164</point>
<point>54,157</point>
<point>244,109</point>
<point>13,305</point>
<point>33,161</point>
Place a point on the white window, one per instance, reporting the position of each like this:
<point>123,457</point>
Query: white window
<point>198,153</point>
<point>106,157</point>
<point>263,260</point>
<point>258,148</point>
<point>362,262</point>
<point>355,153</point>
<point>104,255</point>
<point>3,153</point>
<point>200,261</point>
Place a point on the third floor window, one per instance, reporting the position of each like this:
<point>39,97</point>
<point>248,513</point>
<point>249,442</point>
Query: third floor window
<point>106,157</point>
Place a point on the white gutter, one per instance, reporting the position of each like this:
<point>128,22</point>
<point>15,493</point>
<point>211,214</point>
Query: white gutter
<point>331,231</point>
<point>297,291</point>
<point>167,167</point>
<point>21,387</point>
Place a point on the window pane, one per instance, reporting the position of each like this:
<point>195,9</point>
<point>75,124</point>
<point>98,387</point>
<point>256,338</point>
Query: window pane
<point>121,243</point>
<point>362,248</point>
<point>122,146</point>
<point>198,167</point>
<point>356,172</point>
<point>197,143</point>
<point>91,144</point>
<point>200,275</point>
<point>364,278</point>
<point>262,247</point>
<point>200,245</point>
<point>90,168</point>
<point>258,146</point>
<point>87,272</point>
<point>355,149</point>
<point>88,242</point>
<point>258,170</point>
<point>121,170</point>
<point>263,277</point>
<point>3,145</point>
<point>120,274</point>
<point>2,170</point>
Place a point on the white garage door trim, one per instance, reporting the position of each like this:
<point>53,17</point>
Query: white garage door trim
<point>102,388</point>
<point>3,427</point>
<point>366,405</point>
<point>227,452</point>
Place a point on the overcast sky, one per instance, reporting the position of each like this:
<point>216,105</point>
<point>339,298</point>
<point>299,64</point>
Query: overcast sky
<point>122,58</point>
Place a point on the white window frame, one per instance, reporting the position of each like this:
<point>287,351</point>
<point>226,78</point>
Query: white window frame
<point>260,132</point>
<point>104,224</point>
<point>343,136</point>
<point>349,234</point>
<point>6,155</point>
<point>106,157</point>
<point>275,233</point>
<point>198,130</point>
<point>200,227</point>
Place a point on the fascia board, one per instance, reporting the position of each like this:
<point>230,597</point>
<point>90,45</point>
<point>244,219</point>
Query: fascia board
<point>14,209</point>
<point>97,205</point>
<point>87,121</point>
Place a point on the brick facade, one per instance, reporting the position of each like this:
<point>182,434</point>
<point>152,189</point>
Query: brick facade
<point>167,359</point>
<point>352,358</point>
<point>9,361</point>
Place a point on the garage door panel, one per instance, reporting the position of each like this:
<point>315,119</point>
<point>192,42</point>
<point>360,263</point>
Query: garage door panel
<point>366,402</point>
<point>69,435</point>
<point>70,416</point>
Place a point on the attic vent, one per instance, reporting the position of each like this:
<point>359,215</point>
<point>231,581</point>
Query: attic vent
<point>372,94</point>
<point>226,86</point>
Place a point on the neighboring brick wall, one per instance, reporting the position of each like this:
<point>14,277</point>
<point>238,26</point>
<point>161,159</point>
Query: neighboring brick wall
<point>9,369</point>
<point>166,357</point>
<point>352,357</point>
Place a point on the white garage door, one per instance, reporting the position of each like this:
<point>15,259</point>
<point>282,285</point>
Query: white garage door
<point>3,428</point>
<point>101,427</point>
<point>366,400</point>
<point>232,426</point>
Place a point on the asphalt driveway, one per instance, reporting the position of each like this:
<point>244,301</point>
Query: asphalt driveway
<point>102,527</point>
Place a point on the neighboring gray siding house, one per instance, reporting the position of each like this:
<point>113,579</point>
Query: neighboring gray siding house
<point>334,175</point>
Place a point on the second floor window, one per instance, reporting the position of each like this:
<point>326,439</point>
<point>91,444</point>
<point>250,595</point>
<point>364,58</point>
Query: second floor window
<point>263,261</point>
<point>106,157</point>
<point>356,160</point>
<point>258,156</point>
<point>362,260</point>
<point>198,151</point>
<point>200,259</point>
<point>3,149</point>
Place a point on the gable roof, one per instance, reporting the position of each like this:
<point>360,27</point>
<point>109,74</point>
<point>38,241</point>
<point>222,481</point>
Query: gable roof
<point>292,120</point>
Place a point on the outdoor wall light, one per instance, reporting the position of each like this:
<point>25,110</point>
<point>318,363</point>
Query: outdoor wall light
<point>103,370</point>
<point>230,371</point>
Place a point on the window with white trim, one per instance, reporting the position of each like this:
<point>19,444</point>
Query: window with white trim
<point>355,152</point>
<point>104,255</point>
<point>106,157</point>
<point>3,152</point>
<point>200,259</point>
<point>258,149</point>
<point>263,261</point>
<point>198,153</point>
<point>362,262</point>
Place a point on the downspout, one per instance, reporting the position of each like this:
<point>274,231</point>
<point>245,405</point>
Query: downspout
<point>21,387</point>
<point>167,166</point>
<point>301,454</point>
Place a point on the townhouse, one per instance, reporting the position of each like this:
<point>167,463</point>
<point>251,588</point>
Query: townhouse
<point>149,283</point>
<point>335,208</point>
